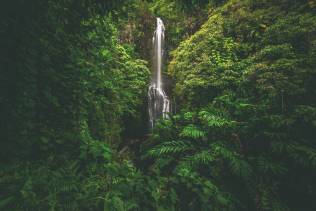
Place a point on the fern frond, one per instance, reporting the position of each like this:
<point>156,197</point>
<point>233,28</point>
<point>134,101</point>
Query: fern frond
<point>192,131</point>
<point>238,166</point>
<point>305,155</point>
<point>266,165</point>
<point>300,153</point>
<point>213,120</point>
<point>268,198</point>
<point>172,147</point>
<point>204,157</point>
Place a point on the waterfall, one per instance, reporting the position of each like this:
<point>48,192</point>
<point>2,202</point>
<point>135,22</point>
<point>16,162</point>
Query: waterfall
<point>159,104</point>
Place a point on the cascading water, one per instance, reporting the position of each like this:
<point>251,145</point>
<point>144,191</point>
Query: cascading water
<point>159,104</point>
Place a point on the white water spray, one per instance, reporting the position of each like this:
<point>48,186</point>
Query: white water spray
<point>159,105</point>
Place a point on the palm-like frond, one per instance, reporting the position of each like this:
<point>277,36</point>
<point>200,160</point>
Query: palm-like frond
<point>192,131</point>
<point>238,166</point>
<point>171,147</point>
<point>204,157</point>
<point>213,120</point>
<point>266,165</point>
<point>300,153</point>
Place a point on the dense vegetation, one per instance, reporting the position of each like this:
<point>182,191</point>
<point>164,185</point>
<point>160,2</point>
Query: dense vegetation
<point>74,77</point>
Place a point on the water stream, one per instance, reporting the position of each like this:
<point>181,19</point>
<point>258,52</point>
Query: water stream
<point>159,104</point>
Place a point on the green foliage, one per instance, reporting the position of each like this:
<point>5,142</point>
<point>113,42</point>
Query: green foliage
<point>198,157</point>
<point>68,85</point>
<point>180,18</point>
<point>67,79</point>
<point>245,86</point>
<point>73,101</point>
<point>191,131</point>
<point>171,147</point>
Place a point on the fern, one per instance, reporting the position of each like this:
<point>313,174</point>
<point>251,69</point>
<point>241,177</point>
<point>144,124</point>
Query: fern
<point>213,120</point>
<point>238,166</point>
<point>267,198</point>
<point>172,147</point>
<point>267,166</point>
<point>300,153</point>
<point>113,202</point>
<point>204,157</point>
<point>192,131</point>
<point>303,154</point>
